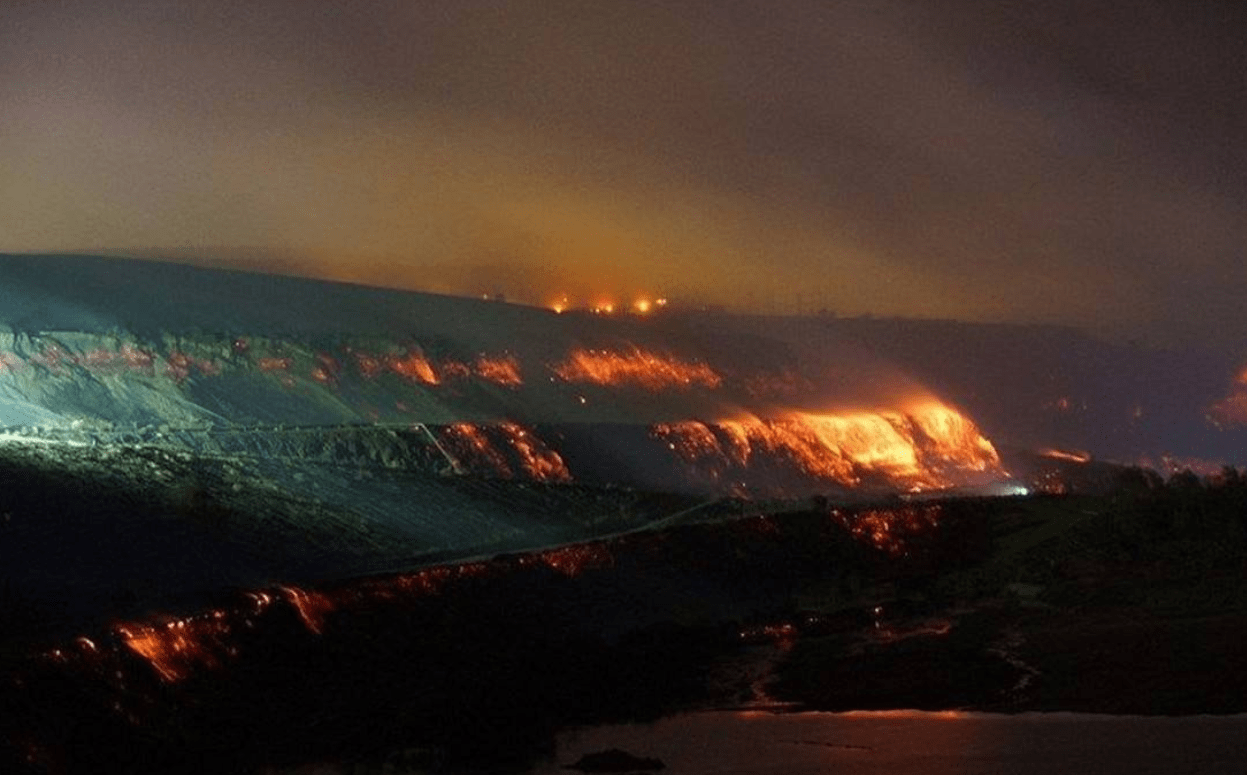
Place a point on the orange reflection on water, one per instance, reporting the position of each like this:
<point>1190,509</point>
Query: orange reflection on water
<point>635,367</point>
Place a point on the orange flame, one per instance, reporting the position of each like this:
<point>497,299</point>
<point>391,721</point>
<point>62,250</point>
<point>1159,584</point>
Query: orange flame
<point>311,606</point>
<point>470,445</point>
<point>414,366</point>
<point>177,648</point>
<point>635,367</point>
<point>1060,454</point>
<point>517,449</point>
<point>537,460</point>
<point>912,448</point>
<point>503,370</point>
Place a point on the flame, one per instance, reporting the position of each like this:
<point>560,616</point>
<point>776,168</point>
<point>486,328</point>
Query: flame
<point>414,366</point>
<point>635,367</point>
<point>1060,454</point>
<point>177,648</point>
<point>369,365</point>
<point>311,606</point>
<point>512,448</point>
<point>503,370</point>
<point>952,438</point>
<point>913,448</point>
<point>1175,464</point>
<point>472,448</point>
<point>537,460</point>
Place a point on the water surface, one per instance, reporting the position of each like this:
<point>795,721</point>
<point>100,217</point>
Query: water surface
<point>921,743</point>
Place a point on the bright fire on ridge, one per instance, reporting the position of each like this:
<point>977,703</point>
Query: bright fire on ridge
<point>635,367</point>
<point>915,448</point>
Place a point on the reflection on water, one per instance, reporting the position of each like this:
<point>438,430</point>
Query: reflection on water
<point>922,743</point>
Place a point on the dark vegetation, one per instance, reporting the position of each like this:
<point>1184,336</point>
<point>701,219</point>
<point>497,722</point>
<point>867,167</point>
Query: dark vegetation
<point>1129,602</point>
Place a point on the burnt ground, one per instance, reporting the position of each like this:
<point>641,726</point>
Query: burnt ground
<point>1128,603</point>
<point>1134,603</point>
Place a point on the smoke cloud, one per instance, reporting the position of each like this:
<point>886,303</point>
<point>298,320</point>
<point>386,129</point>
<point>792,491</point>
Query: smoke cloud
<point>1075,163</point>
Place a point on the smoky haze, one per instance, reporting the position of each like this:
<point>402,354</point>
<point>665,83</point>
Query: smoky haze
<point>1073,163</point>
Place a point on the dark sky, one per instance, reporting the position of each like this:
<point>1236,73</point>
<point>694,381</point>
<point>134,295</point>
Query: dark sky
<point>1077,162</point>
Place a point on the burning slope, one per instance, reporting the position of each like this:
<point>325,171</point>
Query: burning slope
<point>926,446</point>
<point>633,366</point>
<point>500,391</point>
<point>505,450</point>
<point>922,445</point>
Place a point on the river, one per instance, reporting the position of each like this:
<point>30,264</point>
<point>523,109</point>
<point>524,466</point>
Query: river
<point>920,743</point>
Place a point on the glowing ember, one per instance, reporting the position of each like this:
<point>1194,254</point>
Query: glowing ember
<point>505,450</point>
<point>635,367</point>
<point>891,530</point>
<point>504,370</point>
<point>369,366</point>
<point>274,364</point>
<point>312,607</point>
<point>914,449</point>
<point>178,366</point>
<point>469,444</point>
<point>177,648</point>
<point>572,560</point>
<point>784,634</point>
<point>537,460</point>
<point>327,368</point>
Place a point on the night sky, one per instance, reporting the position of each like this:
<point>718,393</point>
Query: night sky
<point>1077,161</point>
